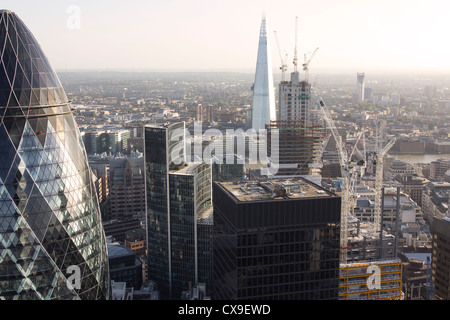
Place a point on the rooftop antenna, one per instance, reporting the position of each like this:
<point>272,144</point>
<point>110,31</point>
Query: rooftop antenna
<point>295,48</point>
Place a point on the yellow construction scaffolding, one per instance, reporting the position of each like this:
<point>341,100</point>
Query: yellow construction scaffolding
<point>380,280</point>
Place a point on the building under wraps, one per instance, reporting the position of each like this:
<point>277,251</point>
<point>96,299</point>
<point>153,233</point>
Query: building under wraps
<point>378,280</point>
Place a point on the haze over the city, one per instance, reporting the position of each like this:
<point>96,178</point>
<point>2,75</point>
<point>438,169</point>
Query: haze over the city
<point>213,35</point>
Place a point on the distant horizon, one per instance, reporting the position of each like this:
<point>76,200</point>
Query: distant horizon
<point>325,71</point>
<point>401,36</point>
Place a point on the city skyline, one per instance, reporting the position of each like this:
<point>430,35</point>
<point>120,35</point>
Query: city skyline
<point>210,35</point>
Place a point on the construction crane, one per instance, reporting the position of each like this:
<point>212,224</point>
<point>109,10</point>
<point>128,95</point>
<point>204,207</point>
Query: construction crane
<point>295,48</point>
<point>315,166</point>
<point>349,173</point>
<point>362,154</point>
<point>306,64</point>
<point>379,156</point>
<point>284,65</point>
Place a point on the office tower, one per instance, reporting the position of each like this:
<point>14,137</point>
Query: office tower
<point>440,264</point>
<point>275,239</point>
<point>100,176</point>
<point>294,101</point>
<point>368,94</point>
<point>439,167</point>
<point>430,91</point>
<point>395,99</point>
<point>415,274</point>
<point>124,265</point>
<point>414,186</point>
<point>50,226</point>
<point>435,200</point>
<point>179,213</point>
<point>297,149</point>
<point>204,113</point>
<point>230,168</point>
<point>109,141</point>
<point>263,108</point>
<point>300,134</point>
<point>126,184</point>
<point>360,86</point>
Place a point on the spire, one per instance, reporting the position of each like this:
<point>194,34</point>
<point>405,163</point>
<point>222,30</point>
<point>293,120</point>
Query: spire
<point>263,109</point>
<point>26,77</point>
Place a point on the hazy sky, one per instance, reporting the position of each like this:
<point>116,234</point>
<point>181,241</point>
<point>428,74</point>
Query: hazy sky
<point>353,35</point>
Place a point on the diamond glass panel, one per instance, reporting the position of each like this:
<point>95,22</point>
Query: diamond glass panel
<point>49,213</point>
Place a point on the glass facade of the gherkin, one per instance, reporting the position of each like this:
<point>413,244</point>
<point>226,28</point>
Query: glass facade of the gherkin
<point>52,243</point>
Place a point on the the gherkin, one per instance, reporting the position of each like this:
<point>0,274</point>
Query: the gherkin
<point>50,225</point>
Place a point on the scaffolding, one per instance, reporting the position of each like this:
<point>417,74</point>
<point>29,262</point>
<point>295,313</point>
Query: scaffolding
<point>299,146</point>
<point>354,279</point>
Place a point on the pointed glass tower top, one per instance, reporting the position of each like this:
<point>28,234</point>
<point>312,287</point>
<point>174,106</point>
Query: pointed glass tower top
<point>50,219</point>
<point>26,78</point>
<point>263,109</point>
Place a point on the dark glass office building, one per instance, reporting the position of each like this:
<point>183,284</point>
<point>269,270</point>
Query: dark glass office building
<point>276,239</point>
<point>50,224</point>
<point>124,266</point>
<point>179,213</point>
<point>440,264</point>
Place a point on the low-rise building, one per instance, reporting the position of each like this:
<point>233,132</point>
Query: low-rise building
<point>415,273</point>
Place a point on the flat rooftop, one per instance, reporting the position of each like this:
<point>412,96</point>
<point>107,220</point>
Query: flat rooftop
<point>274,189</point>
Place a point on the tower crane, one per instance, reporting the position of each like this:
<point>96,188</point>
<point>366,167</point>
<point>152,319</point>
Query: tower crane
<point>349,172</point>
<point>379,181</point>
<point>321,150</point>
<point>284,65</point>
<point>306,64</point>
<point>295,48</point>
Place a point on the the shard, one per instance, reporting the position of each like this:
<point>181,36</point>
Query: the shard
<point>52,244</point>
<point>263,108</point>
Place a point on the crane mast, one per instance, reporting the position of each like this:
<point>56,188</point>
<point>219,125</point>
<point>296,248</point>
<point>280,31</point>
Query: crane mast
<point>306,64</point>
<point>295,48</point>
<point>283,66</point>
<point>349,172</point>
<point>379,182</point>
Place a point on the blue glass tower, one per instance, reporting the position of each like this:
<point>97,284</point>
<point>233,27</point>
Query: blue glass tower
<point>263,108</point>
<point>52,244</point>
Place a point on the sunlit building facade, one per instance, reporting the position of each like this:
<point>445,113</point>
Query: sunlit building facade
<point>50,223</point>
<point>263,109</point>
<point>276,239</point>
<point>179,213</point>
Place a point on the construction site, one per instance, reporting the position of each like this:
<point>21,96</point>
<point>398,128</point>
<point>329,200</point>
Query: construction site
<point>367,250</point>
<point>299,144</point>
<point>369,265</point>
<point>379,280</point>
<point>297,149</point>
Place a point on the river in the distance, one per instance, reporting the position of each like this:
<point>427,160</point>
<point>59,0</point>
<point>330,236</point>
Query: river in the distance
<point>420,158</point>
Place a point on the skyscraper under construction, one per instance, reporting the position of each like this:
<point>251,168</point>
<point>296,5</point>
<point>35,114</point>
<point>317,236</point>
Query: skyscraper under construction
<point>300,134</point>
